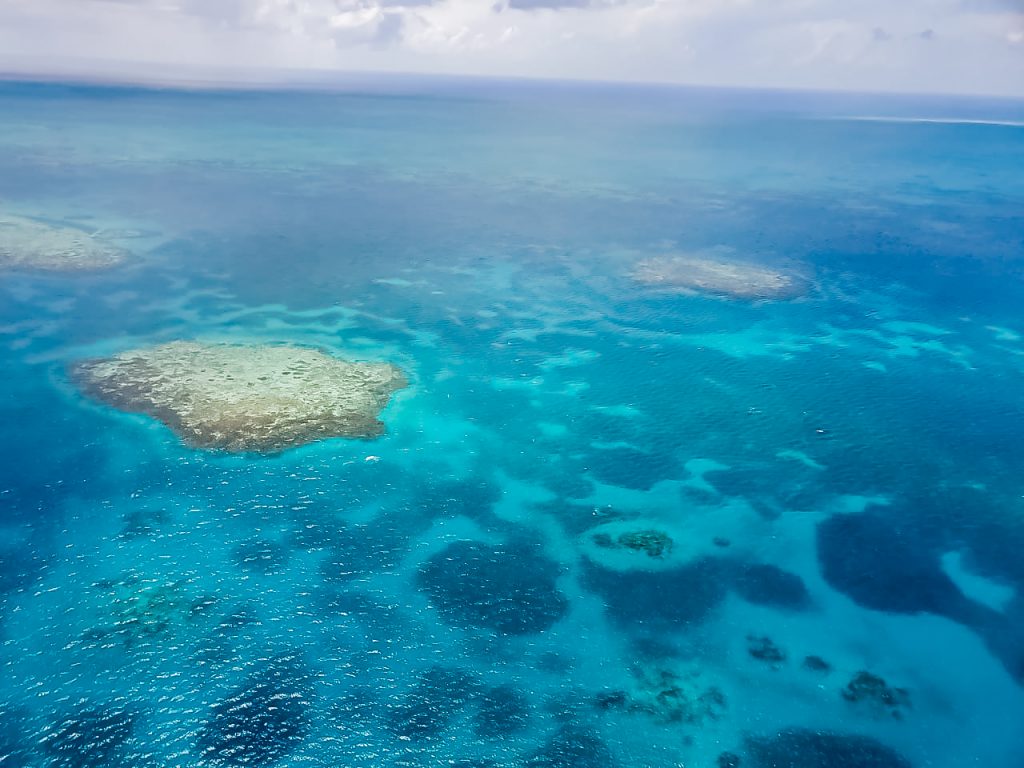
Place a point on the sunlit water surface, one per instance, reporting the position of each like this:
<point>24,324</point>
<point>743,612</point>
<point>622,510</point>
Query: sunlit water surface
<point>839,474</point>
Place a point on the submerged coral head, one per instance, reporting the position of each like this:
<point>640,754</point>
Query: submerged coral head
<point>245,398</point>
<point>719,272</point>
<point>30,244</point>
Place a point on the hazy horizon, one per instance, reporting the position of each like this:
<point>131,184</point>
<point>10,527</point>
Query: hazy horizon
<point>326,81</point>
<point>954,47</point>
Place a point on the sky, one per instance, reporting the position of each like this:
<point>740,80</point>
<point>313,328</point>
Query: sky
<point>933,46</point>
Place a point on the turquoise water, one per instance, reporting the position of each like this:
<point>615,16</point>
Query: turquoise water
<point>839,473</point>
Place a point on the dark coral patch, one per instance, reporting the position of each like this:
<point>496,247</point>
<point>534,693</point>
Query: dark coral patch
<point>142,522</point>
<point>15,740</point>
<point>660,599</point>
<point>503,711</point>
<point>357,550</point>
<point>668,696</point>
<point>651,542</point>
<point>507,588</point>
<point>379,617</point>
<point>438,696</point>
<point>816,664</point>
<point>881,566</point>
<point>800,748</point>
<point>763,648</point>
<point>87,738</point>
<point>771,586</point>
<point>630,468</point>
<point>445,499</point>
<point>874,692</point>
<point>261,722</point>
<point>572,747</point>
<point>262,557</point>
<point>771,488</point>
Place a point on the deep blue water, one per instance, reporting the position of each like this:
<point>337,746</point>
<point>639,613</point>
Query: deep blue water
<point>840,473</point>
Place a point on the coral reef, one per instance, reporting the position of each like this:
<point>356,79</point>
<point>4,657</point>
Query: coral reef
<point>768,585</point>
<point>637,544</point>
<point>356,550</point>
<point>873,692</point>
<point>438,696</point>
<point>763,648</point>
<point>145,607</point>
<point>801,748</point>
<point>262,557</point>
<point>357,709</point>
<point>662,599</point>
<point>651,542</point>
<point>668,696</point>
<point>816,664</point>
<point>376,615</point>
<point>261,722</point>
<point>507,588</point>
<point>795,485</point>
<point>879,565</point>
<point>223,644</point>
<point>34,245</point>
<point>612,700</point>
<point>716,271</point>
<point>245,398</point>
<point>15,736</point>
<point>631,468</point>
<point>503,711</point>
<point>144,522</point>
<point>87,738</point>
<point>572,746</point>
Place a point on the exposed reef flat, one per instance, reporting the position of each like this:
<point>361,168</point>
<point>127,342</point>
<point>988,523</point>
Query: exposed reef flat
<point>717,272</point>
<point>245,398</point>
<point>33,245</point>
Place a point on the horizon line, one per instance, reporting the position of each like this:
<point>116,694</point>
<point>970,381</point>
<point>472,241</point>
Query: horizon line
<point>327,81</point>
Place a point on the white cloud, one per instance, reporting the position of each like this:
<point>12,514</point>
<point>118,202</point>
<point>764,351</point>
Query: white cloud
<point>918,45</point>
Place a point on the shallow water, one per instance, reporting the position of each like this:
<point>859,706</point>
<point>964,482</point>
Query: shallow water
<point>838,474</point>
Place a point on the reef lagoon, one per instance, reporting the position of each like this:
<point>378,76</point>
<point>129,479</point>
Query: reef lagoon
<point>469,423</point>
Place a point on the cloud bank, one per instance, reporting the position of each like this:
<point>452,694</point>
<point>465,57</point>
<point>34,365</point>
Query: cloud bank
<point>952,46</point>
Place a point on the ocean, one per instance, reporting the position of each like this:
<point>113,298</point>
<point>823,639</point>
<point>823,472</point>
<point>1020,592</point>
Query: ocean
<point>609,519</point>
